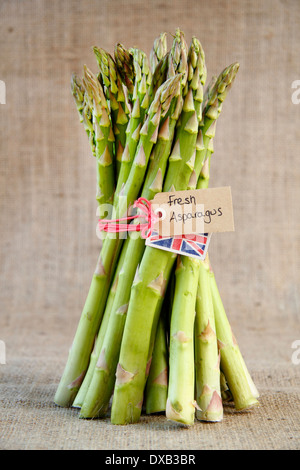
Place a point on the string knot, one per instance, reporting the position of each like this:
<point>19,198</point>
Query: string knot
<point>119,225</point>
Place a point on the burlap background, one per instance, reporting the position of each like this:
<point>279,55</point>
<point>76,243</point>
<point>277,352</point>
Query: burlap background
<point>47,184</point>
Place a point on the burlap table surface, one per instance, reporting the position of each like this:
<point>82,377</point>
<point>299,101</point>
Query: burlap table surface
<point>48,243</point>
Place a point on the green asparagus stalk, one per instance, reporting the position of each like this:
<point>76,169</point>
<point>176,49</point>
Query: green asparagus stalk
<point>111,79</point>
<point>207,363</point>
<point>103,137</point>
<point>104,377</point>
<point>239,381</point>
<point>95,303</point>
<point>180,403</point>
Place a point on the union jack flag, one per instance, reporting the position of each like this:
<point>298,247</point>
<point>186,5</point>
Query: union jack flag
<point>195,246</point>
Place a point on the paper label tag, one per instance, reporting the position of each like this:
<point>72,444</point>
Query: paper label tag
<point>194,212</point>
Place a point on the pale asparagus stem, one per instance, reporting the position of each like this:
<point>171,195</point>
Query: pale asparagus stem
<point>156,391</point>
<point>158,51</point>
<point>225,392</point>
<point>239,381</point>
<point>92,313</point>
<point>79,399</point>
<point>115,94</point>
<point>180,403</point>
<point>207,363</point>
<point>103,380</point>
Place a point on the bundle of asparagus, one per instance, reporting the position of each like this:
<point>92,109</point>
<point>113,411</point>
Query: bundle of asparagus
<point>153,335</point>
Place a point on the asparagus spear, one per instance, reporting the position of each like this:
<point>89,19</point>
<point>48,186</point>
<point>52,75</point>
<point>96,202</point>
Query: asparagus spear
<point>104,377</point>
<point>184,151</point>
<point>111,79</point>
<point>158,51</point>
<point>95,303</point>
<point>180,403</point>
<point>124,63</point>
<point>240,383</point>
<point>84,111</point>
<point>103,137</point>
<point>207,363</point>
<point>166,67</point>
<point>213,106</point>
<point>140,102</point>
<point>201,149</point>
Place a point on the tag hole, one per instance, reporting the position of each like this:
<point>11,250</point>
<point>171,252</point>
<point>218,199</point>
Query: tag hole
<point>161,214</point>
